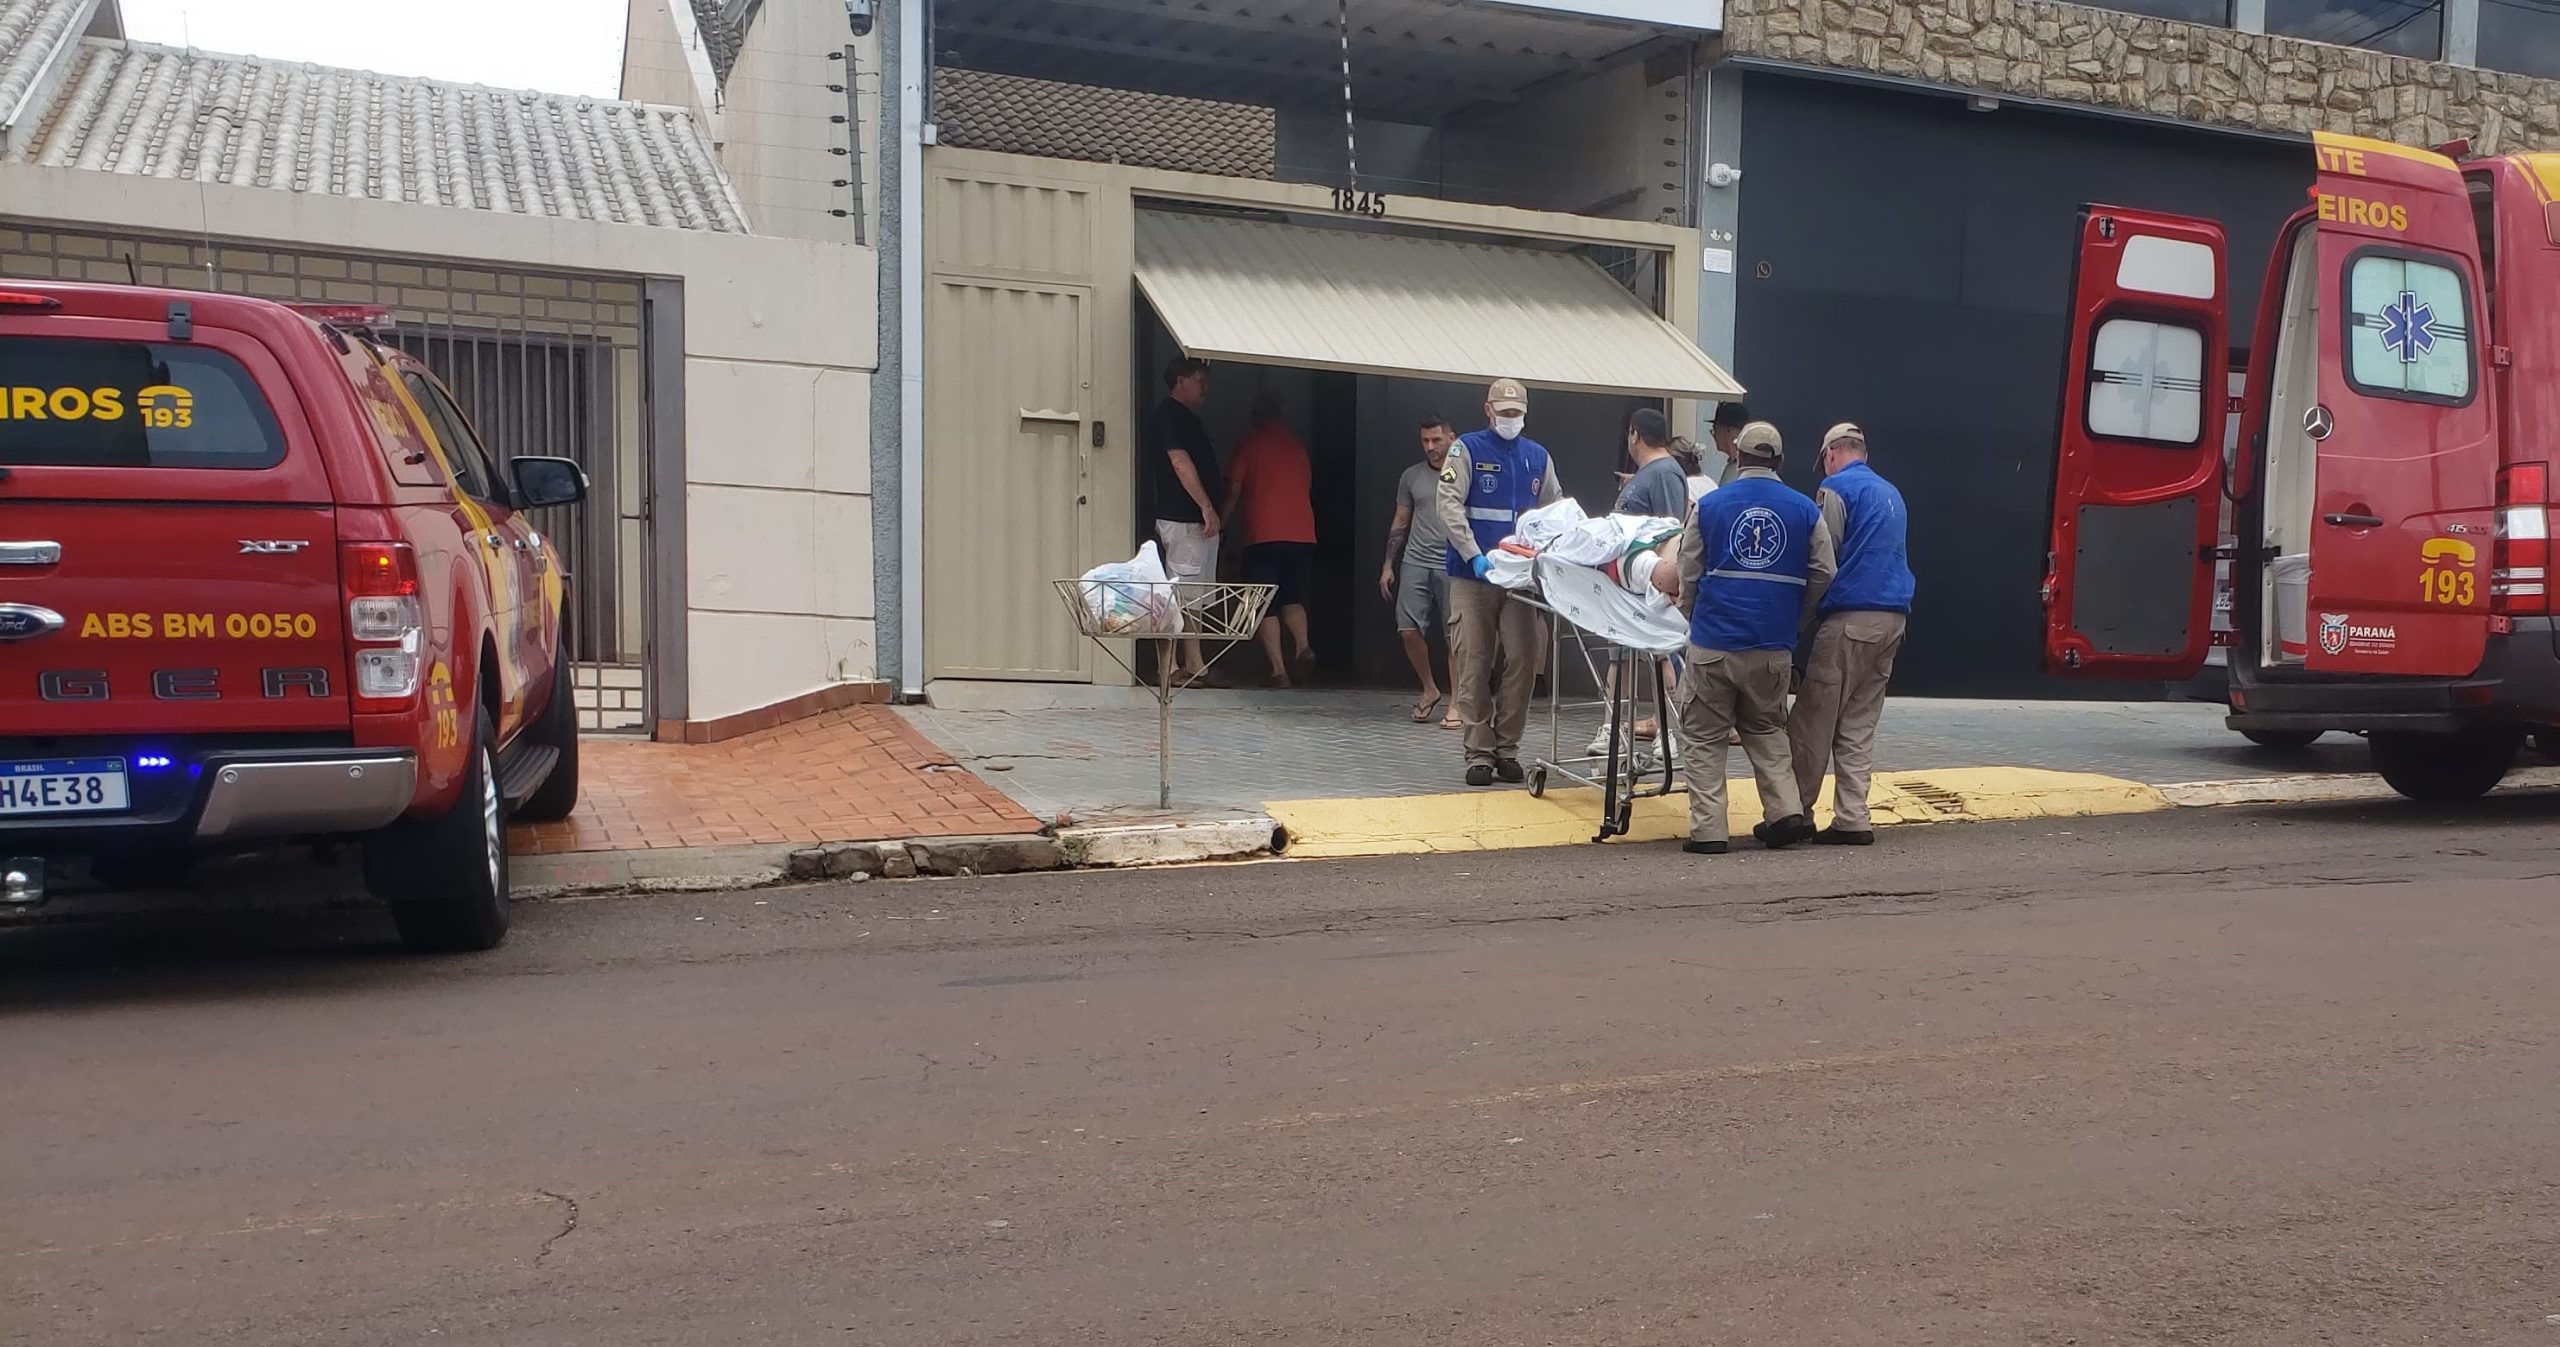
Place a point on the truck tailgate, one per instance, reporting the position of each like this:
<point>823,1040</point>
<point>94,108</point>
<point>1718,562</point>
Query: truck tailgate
<point>165,618</point>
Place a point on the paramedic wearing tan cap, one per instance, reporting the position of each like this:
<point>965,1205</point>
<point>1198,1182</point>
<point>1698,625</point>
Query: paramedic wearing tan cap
<point>1858,632</point>
<point>1492,477</point>
<point>1753,566</point>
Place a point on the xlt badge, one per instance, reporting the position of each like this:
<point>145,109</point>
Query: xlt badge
<point>271,547</point>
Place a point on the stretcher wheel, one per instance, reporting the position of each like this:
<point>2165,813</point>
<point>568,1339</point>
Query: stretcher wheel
<point>1537,783</point>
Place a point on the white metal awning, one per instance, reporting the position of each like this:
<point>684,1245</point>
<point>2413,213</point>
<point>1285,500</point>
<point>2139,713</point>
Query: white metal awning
<point>1268,293</point>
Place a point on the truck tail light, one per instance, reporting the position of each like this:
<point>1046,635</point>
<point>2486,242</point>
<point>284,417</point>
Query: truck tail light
<point>384,621</point>
<point>2520,574</point>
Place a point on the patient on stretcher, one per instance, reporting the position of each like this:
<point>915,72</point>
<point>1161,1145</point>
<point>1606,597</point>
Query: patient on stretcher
<point>1629,549</point>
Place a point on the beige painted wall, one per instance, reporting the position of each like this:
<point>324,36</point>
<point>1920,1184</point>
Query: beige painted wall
<point>663,61</point>
<point>775,136</point>
<point>771,120</point>
<point>778,499</point>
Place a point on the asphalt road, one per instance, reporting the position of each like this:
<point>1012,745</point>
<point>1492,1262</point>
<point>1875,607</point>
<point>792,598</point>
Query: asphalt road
<point>2247,1078</point>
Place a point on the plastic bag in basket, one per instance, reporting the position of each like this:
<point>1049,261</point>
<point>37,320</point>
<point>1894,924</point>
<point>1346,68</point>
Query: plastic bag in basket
<point>1131,598</point>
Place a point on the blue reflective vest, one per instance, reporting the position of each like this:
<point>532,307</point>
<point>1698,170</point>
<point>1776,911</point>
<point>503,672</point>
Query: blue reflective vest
<point>1504,478</point>
<point>1875,564</point>
<point>1758,536</point>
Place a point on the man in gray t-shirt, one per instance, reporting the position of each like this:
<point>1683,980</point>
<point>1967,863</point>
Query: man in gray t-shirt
<point>1659,489</point>
<point>1414,575</point>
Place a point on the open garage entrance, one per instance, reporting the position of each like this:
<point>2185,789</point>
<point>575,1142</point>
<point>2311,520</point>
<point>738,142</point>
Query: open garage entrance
<point>1370,212</point>
<point>1362,334</point>
<point>1059,290</point>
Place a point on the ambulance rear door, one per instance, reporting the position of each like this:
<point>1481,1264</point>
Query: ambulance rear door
<point>2136,508</point>
<point>2404,434</point>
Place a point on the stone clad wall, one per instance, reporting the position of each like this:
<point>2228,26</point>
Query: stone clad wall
<point>2105,58</point>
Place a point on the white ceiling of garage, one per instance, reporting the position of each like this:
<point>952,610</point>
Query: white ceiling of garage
<point>1412,60</point>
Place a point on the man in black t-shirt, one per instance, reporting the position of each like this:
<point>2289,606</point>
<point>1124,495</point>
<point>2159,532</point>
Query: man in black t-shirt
<point>1184,469</point>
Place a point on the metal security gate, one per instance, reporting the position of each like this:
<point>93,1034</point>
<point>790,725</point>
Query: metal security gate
<point>534,393</point>
<point>543,362</point>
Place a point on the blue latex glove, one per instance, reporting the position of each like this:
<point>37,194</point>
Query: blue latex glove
<point>1481,564</point>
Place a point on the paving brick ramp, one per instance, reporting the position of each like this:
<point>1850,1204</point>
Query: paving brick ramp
<point>861,774</point>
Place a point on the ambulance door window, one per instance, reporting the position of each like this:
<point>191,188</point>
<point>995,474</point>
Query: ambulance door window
<point>2408,328</point>
<point>2146,382</point>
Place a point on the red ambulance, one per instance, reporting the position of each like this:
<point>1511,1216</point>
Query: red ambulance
<point>2389,501</point>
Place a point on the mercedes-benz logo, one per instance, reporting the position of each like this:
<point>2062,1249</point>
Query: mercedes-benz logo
<point>2317,423</point>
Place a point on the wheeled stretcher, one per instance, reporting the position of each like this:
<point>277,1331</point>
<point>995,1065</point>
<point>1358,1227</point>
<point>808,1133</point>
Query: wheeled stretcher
<point>1607,614</point>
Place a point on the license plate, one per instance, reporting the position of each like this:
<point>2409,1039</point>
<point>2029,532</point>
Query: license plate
<point>63,786</point>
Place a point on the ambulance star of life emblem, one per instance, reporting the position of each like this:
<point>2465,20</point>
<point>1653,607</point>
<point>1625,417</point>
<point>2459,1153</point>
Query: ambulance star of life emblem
<point>2333,633</point>
<point>1759,538</point>
<point>2408,327</point>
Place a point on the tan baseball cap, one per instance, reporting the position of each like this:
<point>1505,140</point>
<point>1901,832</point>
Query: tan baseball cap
<point>1759,440</point>
<point>1507,395</point>
<point>1846,430</point>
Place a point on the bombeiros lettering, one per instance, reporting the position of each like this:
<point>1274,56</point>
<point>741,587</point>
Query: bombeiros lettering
<point>2356,210</point>
<point>159,407</point>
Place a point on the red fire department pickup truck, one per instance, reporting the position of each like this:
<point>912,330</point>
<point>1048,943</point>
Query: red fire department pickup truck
<point>2392,493</point>
<point>261,582</point>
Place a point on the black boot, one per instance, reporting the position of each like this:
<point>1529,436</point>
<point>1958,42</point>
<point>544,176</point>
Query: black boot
<point>1785,832</point>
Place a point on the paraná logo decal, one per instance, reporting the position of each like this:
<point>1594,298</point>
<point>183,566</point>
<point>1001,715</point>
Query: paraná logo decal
<point>2340,634</point>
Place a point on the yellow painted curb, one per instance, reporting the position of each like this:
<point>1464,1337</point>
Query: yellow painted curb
<point>1502,820</point>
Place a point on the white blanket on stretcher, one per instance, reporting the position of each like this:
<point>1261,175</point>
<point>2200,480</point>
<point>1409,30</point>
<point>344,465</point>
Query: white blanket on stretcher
<point>1586,597</point>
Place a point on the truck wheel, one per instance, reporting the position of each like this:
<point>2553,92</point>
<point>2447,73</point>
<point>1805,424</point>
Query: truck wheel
<point>557,797</point>
<point>2286,740</point>
<point>2444,768</point>
<point>445,878</point>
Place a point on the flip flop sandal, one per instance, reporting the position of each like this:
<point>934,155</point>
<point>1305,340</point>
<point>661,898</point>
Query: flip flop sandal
<point>1424,711</point>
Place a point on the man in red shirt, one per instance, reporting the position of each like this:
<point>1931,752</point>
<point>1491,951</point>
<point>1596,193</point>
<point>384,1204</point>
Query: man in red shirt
<point>1270,488</point>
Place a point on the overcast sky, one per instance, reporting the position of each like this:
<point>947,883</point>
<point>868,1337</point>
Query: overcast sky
<point>561,46</point>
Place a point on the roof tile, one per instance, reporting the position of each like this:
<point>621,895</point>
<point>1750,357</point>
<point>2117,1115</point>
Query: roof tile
<point>164,113</point>
<point>30,32</point>
<point>980,110</point>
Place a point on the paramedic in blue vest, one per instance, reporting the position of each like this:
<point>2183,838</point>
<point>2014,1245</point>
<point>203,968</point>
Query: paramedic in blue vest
<point>1857,633</point>
<point>1753,567</point>
<point>1491,478</point>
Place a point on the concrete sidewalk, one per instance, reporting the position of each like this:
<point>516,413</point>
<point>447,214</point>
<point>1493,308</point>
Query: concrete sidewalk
<point>1350,774</point>
<point>1090,754</point>
<point>1014,778</point>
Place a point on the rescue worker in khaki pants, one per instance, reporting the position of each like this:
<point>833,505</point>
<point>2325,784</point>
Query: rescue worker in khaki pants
<point>1753,566</point>
<point>1491,478</point>
<point>1858,632</point>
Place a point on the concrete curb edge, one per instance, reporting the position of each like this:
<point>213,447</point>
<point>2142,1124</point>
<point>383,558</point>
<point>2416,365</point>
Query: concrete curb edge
<point>1119,846</point>
<point>727,869</point>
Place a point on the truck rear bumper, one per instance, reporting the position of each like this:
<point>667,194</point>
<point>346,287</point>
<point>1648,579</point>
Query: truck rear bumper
<point>238,794</point>
<point>2518,684</point>
<point>353,793</point>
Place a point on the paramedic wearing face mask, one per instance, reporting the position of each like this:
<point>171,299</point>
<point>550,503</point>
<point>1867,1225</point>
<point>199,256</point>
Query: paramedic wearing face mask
<point>1752,569</point>
<point>1859,631</point>
<point>1492,477</point>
